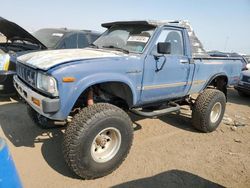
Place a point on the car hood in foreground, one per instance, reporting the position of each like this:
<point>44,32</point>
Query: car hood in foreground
<point>45,60</point>
<point>13,31</point>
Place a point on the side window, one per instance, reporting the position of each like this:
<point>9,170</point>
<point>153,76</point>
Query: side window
<point>70,41</point>
<point>175,38</point>
<point>82,41</point>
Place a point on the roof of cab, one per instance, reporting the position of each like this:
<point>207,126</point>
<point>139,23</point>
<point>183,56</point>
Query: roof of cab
<point>196,45</point>
<point>154,23</point>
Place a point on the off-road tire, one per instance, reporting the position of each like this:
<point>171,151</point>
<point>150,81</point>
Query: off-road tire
<point>39,120</point>
<point>201,112</point>
<point>81,133</point>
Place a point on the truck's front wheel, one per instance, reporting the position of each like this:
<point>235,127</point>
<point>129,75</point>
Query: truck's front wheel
<point>208,110</point>
<point>97,140</point>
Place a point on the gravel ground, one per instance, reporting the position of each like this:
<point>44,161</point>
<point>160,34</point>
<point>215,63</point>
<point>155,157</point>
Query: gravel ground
<point>167,152</point>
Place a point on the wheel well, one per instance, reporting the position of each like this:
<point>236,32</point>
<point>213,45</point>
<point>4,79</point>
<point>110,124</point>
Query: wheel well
<point>220,83</point>
<point>116,93</point>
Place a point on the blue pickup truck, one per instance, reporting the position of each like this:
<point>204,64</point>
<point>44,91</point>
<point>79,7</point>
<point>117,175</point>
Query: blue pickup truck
<point>149,68</point>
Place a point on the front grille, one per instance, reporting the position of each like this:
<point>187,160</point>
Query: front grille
<point>27,74</point>
<point>246,79</point>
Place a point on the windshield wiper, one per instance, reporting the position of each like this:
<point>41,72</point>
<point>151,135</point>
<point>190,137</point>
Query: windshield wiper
<point>93,45</point>
<point>117,48</point>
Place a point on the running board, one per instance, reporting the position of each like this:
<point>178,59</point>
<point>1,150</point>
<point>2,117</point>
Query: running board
<point>175,107</point>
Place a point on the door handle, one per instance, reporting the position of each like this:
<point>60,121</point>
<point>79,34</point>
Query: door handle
<point>184,61</point>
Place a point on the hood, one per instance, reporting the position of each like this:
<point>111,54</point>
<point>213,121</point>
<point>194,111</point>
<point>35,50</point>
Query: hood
<point>246,73</point>
<point>47,59</point>
<point>12,30</point>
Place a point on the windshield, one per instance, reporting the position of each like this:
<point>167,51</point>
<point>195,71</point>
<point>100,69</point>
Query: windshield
<point>132,38</point>
<point>49,37</point>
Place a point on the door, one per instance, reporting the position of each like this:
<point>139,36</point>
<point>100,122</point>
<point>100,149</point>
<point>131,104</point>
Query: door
<point>166,76</point>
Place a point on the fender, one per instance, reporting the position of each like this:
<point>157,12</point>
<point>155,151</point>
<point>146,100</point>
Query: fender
<point>98,78</point>
<point>212,78</point>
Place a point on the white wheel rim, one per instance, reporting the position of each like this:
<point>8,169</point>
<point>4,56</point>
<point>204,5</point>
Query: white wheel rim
<point>106,144</point>
<point>215,112</point>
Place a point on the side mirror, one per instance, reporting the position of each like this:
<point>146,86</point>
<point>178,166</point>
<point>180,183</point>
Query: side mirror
<point>164,48</point>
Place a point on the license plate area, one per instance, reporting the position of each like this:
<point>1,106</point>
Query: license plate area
<point>21,91</point>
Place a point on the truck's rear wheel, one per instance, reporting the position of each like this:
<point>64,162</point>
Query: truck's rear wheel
<point>208,110</point>
<point>40,120</point>
<point>97,140</point>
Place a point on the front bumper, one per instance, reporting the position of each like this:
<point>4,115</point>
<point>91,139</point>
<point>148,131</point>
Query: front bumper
<point>43,105</point>
<point>243,87</point>
<point>6,83</point>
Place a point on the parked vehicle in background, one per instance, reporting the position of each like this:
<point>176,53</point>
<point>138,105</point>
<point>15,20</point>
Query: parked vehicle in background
<point>65,38</point>
<point>243,86</point>
<point>19,41</point>
<point>149,68</point>
<point>247,57</point>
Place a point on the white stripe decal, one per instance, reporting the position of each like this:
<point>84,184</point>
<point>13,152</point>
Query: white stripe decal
<point>178,84</point>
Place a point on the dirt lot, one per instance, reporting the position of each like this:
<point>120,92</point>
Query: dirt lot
<point>167,152</point>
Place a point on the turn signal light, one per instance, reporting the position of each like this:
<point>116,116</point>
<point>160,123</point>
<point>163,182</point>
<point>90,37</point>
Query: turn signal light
<point>69,79</point>
<point>35,101</point>
<point>6,66</point>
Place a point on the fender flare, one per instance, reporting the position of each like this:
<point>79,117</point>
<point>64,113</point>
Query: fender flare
<point>99,78</point>
<point>213,77</point>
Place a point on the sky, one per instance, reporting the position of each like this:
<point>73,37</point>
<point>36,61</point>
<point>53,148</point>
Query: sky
<point>220,24</point>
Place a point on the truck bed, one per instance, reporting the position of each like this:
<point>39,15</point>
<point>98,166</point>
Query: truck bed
<point>217,66</point>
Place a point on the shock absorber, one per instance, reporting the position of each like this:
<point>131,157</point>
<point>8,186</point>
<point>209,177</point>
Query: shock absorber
<point>90,100</point>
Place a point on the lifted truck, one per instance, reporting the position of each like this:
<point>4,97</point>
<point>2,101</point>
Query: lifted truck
<point>148,68</point>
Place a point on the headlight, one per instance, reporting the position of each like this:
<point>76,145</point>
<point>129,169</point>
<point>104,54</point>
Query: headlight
<point>47,83</point>
<point>4,61</point>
